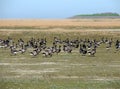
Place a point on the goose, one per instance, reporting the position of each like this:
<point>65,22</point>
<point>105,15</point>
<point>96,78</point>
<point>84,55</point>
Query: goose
<point>34,53</point>
<point>22,50</point>
<point>108,45</point>
<point>92,52</point>
<point>56,40</point>
<point>47,52</point>
<point>117,45</point>
<point>58,50</point>
<point>67,49</point>
<point>14,51</point>
<point>83,50</point>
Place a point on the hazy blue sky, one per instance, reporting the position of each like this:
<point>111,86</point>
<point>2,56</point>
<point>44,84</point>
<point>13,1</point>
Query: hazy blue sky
<point>55,8</point>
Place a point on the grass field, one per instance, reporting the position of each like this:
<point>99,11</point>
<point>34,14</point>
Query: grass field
<point>62,71</point>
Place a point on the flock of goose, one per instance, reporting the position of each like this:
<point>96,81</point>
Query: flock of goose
<point>40,46</point>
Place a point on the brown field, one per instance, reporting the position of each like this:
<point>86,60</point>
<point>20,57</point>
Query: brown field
<point>64,23</point>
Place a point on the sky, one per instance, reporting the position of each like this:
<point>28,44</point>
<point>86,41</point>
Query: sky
<point>51,9</point>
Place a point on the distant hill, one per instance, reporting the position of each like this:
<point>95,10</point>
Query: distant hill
<point>101,14</point>
<point>97,15</point>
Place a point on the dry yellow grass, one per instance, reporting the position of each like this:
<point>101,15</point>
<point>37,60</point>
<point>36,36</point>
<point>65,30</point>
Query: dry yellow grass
<point>49,32</point>
<point>97,23</point>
